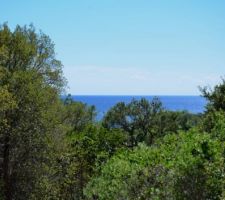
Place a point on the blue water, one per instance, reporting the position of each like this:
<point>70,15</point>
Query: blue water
<point>193,104</point>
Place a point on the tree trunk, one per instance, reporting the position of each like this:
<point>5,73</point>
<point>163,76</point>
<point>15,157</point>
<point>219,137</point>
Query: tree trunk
<point>6,174</point>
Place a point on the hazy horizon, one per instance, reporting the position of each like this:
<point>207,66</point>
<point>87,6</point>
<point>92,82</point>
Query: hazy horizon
<point>135,95</point>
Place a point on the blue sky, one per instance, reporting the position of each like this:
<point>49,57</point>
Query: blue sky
<point>142,47</point>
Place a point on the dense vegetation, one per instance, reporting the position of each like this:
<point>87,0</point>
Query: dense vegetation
<point>52,148</point>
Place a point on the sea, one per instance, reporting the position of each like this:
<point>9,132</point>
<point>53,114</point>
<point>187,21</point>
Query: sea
<point>192,104</point>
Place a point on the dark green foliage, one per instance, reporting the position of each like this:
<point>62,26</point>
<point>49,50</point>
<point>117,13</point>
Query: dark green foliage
<point>215,97</point>
<point>138,119</point>
<point>172,122</point>
<point>145,121</point>
<point>88,150</point>
<point>77,115</point>
<point>31,81</point>
<point>215,110</point>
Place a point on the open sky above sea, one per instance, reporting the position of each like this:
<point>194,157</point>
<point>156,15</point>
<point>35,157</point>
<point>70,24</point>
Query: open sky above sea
<point>130,47</point>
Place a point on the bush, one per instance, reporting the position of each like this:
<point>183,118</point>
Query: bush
<point>184,166</point>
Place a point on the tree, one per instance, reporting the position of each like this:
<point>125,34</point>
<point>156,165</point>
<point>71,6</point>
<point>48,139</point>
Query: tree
<point>215,96</point>
<point>173,122</point>
<point>88,150</point>
<point>215,109</point>
<point>77,115</point>
<point>31,79</point>
<point>145,121</point>
<point>137,119</point>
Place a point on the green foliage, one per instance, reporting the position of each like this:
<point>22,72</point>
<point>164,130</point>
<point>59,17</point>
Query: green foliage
<point>184,166</point>
<point>88,150</point>
<point>214,119</point>
<point>173,122</point>
<point>54,149</point>
<point>137,119</point>
<point>77,115</point>
<point>145,121</point>
<point>30,83</point>
<point>215,96</point>
<point>24,49</point>
<point>214,123</point>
